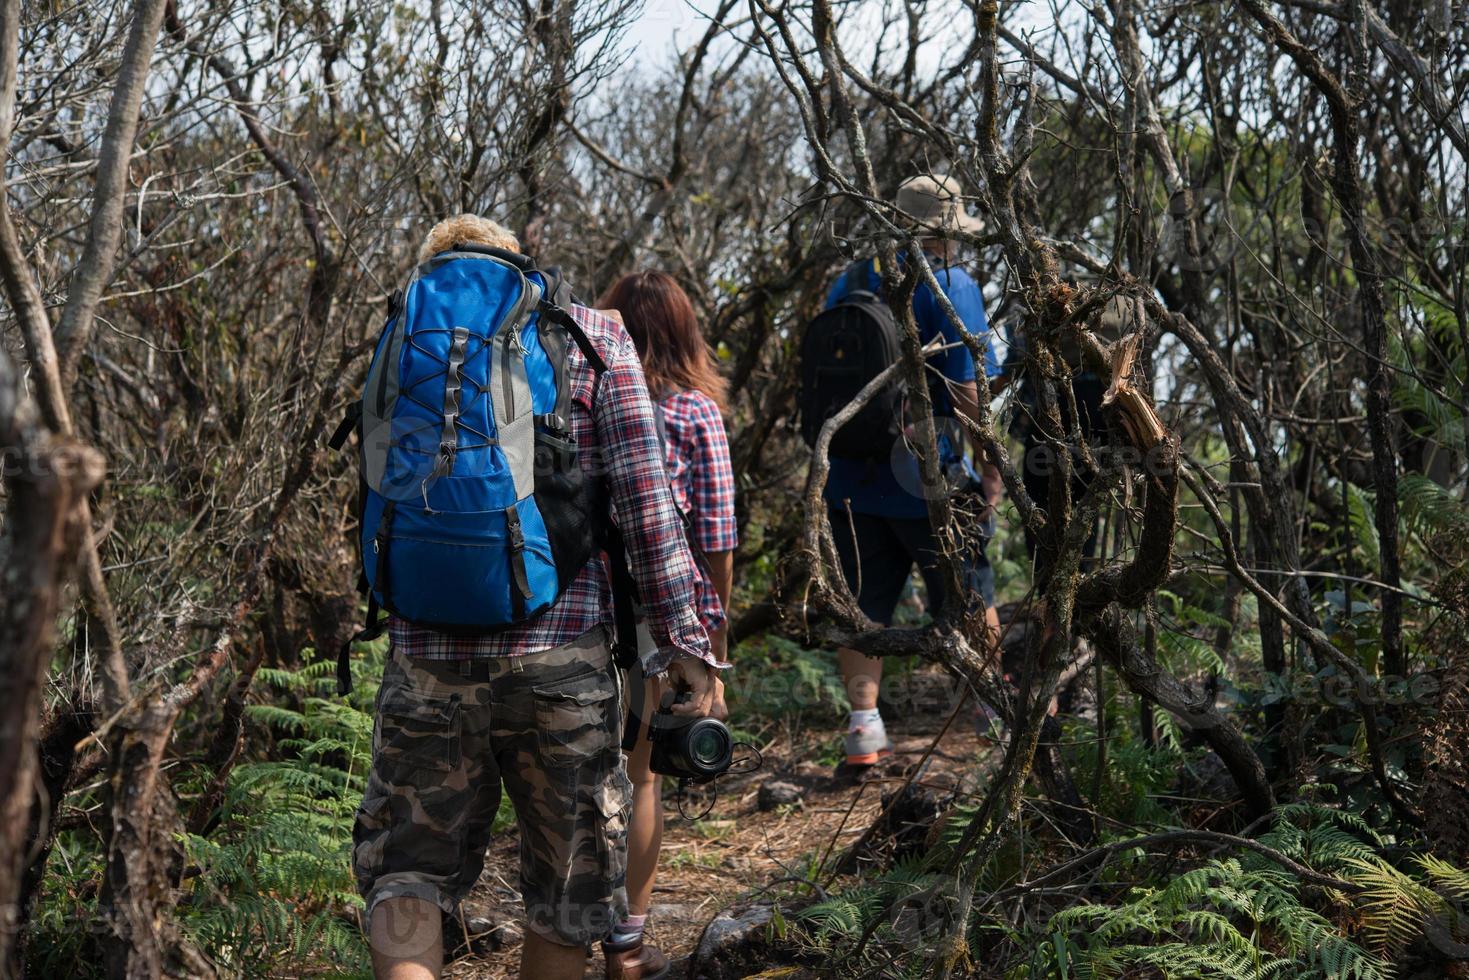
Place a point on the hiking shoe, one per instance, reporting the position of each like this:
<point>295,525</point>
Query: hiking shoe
<point>634,960</point>
<point>847,774</point>
<point>866,745</point>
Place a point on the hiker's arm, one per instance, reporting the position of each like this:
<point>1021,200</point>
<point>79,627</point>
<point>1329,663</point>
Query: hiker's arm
<point>966,399</point>
<point>721,572</point>
<point>657,551</point>
<point>956,362</point>
<point>965,376</point>
<point>966,402</point>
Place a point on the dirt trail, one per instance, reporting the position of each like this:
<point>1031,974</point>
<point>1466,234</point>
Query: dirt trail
<point>737,850</point>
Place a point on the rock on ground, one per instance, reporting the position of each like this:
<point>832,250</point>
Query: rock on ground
<point>779,792</point>
<point>727,942</point>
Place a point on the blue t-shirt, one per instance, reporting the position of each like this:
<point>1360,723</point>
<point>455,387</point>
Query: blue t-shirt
<point>893,489</point>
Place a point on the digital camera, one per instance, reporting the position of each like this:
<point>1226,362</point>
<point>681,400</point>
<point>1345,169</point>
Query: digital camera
<point>696,749</point>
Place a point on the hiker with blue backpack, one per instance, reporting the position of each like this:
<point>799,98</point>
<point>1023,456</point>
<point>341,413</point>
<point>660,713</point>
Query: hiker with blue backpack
<point>877,503</point>
<point>689,397</point>
<point>499,425</point>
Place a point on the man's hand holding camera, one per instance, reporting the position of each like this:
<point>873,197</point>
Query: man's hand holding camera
<point>689,740</point>
<point>700,681</point>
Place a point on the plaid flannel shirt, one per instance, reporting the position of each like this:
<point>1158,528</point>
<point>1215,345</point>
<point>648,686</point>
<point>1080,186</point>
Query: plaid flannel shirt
<point>699,470</point>
<point>619,420</point>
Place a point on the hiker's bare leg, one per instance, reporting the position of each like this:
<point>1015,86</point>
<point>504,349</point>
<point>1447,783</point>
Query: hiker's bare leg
<point>992,625</point>
<point>862,675</point>
<point>407,939</point>
<point>541,959</point>
<point>645,831</point>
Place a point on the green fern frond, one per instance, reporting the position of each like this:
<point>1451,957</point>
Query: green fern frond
<point>1446,878</point>
<point>1393,905</point>
<point>1430,507</point>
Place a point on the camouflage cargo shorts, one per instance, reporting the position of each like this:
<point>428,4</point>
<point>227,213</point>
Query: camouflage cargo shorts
<point>547,725</point>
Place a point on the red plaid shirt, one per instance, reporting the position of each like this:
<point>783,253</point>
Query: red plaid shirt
<point>621,420</point>
<point>697,457</point>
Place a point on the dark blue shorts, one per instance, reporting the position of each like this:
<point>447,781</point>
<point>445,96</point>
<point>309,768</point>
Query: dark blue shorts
<point>884,551</point>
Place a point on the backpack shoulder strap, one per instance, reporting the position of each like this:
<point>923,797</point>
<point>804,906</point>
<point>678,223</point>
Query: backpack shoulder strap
<point>559,315</point>
<point>624,597</point>
<point>374,627</point>
<point>344,429</point>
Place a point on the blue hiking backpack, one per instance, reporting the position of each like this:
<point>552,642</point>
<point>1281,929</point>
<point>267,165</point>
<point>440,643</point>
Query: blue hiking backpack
<point>474,512</point>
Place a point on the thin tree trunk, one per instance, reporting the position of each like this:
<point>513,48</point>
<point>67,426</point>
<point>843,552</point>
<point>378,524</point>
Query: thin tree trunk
<point>99,257</point>
<point>46,482</point>
<point>144,856</point>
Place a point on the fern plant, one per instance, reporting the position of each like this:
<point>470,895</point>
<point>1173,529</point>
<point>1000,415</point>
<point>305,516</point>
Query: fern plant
<point>908,909</point>
<point>274,884</point>
<point>1246,917</point>
<point>1233,917</point>
<point>1221,920</point>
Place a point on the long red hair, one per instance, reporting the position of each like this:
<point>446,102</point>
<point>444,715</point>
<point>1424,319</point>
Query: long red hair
<point>660,316</point>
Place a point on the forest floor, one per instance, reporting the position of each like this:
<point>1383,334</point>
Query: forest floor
<point>739,853</point>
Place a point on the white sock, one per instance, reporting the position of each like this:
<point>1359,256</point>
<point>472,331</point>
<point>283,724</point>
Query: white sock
<point>628,929</point>
<point>864,719</point>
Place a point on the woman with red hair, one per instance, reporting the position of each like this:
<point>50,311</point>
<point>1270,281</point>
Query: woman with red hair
<point>689,394</point>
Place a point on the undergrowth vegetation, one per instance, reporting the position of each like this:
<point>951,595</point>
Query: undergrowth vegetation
<point>272,883</point>
<point>267,885</point>
<point>1177,883</point>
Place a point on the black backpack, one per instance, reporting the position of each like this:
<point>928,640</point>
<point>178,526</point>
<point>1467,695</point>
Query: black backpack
<point>845,347</point>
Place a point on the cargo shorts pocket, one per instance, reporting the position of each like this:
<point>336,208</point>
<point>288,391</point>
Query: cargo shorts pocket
<point>417,734</point>
<point>575,719</point>
<point>614,809</point>
<point>369,839</point>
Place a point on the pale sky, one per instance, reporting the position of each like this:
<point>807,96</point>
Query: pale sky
<point>667,26</point>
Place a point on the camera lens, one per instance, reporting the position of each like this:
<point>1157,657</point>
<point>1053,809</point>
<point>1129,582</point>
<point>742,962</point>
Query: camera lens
<point>698,749</point>
<point>707,746</point>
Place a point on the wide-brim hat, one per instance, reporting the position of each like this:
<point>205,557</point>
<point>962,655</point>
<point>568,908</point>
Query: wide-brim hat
<point>936,202</point>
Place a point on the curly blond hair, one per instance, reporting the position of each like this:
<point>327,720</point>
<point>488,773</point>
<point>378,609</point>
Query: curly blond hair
<point>470,229</point>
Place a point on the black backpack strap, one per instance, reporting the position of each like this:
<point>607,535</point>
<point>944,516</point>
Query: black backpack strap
<point>558,291</point>
<point>520,589</point>
<point>637,699</point>
<point>372,628</point>
<point>373,623</point>
<point>624,597</point>
<point>344,428</point>
<point>560,316</point>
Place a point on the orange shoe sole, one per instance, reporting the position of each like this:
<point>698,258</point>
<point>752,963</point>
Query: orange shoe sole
<point>869,758</point>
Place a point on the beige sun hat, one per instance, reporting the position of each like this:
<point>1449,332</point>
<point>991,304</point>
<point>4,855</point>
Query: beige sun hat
<point>936,201</point>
